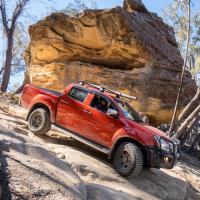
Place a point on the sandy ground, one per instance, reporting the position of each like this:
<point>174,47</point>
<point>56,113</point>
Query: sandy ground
<point>56,167</point>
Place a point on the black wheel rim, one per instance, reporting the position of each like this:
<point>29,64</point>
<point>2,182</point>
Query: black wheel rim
<point>124,160</point>
<point>36,120</point>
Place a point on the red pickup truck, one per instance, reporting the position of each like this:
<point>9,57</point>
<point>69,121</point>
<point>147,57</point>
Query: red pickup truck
<point>100,118</point>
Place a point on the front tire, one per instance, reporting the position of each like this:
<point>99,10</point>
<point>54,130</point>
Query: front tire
<point>39,121</point>
<point>128,159</point>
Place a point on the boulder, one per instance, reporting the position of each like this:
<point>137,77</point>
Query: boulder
<point>128,49</point>
<point>134,5</point>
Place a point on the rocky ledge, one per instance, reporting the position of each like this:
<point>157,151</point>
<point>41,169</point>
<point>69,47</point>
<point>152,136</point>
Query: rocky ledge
<point>129,49</point>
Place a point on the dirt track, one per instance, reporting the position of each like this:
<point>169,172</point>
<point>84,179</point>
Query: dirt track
<point>31,169</point>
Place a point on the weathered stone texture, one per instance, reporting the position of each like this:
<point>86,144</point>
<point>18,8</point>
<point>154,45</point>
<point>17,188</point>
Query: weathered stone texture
<point>128,49</point>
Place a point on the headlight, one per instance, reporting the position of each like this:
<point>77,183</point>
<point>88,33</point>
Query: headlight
<point>164,144</point>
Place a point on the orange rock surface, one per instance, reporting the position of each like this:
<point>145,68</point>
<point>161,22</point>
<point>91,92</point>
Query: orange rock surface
<point>127,49</point>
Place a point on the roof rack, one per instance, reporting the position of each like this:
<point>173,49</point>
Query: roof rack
<point>103,89</point>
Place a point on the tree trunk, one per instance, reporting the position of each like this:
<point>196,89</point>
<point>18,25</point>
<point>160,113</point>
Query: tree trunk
<point>195,142</point>
<point>193,124</point>
<point>172,126</point>
<point>190,107</point>
<point>183,127</point>
<point>7,65</point>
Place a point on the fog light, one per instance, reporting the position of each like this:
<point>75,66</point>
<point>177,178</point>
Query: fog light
<point>167,159</point>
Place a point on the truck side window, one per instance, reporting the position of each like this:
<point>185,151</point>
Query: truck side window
<point>78,94</point>
<point>101,104</point>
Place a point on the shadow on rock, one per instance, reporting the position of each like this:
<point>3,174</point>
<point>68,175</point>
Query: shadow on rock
<point>4,177</point>
<point>33,166</point>
<point>162,185</point>
<point>96,167</point>
<point>99,192</point>
<point>152,181</point>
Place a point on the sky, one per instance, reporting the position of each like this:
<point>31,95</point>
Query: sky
<point>153,5</point>
<point>41,9</point>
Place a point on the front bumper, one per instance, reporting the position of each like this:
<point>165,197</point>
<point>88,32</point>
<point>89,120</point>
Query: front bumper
<point>159,159</point>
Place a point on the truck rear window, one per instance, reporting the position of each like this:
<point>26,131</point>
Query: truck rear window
<point>78,94</point>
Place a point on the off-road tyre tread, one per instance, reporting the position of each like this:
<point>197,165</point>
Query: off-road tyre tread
<point>136,156</point>
<point>46,125</point>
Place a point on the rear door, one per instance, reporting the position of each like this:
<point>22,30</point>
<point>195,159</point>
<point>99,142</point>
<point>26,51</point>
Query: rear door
<point>70,107</point>
<point>97,125</point>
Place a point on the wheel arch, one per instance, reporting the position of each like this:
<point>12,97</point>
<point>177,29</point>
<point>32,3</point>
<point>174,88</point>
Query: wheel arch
<point>38,105</point>
<point>127,139</point>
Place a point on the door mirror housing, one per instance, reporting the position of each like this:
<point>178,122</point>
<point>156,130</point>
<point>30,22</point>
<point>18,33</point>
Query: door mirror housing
<point>111,112</point>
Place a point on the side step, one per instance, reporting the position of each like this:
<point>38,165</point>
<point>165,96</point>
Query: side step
<point>82,139</point>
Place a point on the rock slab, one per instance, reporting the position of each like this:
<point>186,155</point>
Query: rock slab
<point>129,49</point>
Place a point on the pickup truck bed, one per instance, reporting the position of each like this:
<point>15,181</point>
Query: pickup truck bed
<point>31,91</point>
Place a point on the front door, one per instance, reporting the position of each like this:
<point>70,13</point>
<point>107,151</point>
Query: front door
<point>95,124</point>
<point>70,107</point>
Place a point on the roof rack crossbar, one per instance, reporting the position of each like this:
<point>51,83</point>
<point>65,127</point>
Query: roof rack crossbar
<point>103,89</point>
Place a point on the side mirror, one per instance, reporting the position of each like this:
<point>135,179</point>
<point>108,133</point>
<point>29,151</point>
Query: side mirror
<point>111,112</point>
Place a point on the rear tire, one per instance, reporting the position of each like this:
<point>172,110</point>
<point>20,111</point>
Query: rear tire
<point>39,121</point>
<point>128,159</point>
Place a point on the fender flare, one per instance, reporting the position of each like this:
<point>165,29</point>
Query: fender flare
<point>46,102</point>
<point>119,140</point>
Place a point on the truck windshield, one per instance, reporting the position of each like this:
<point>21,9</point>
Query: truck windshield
<point>128,111</point>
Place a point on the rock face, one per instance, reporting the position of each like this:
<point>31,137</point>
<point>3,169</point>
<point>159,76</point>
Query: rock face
<point>128,49</point>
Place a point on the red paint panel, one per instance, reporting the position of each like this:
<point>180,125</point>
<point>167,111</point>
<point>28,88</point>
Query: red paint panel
<point>87,121</point>
<point>69,112</point>
<point>97,125</point>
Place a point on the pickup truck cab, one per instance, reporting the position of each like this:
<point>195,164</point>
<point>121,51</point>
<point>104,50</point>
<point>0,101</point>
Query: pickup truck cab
<point>100,118</point>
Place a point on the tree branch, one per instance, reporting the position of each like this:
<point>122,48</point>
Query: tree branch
<point>4,16</point>
<point>190,105</point>
<point>18,10</point>
<point>171,129</point>
<point>184,125</point>
<point>1,70</point>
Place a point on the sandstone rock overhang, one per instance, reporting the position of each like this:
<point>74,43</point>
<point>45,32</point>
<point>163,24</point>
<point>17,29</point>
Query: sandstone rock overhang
<point>128,49</point>
<point>116,38</point>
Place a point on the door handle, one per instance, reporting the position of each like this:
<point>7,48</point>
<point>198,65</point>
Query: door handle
<point>87,111</point>
<point>65,102</point>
